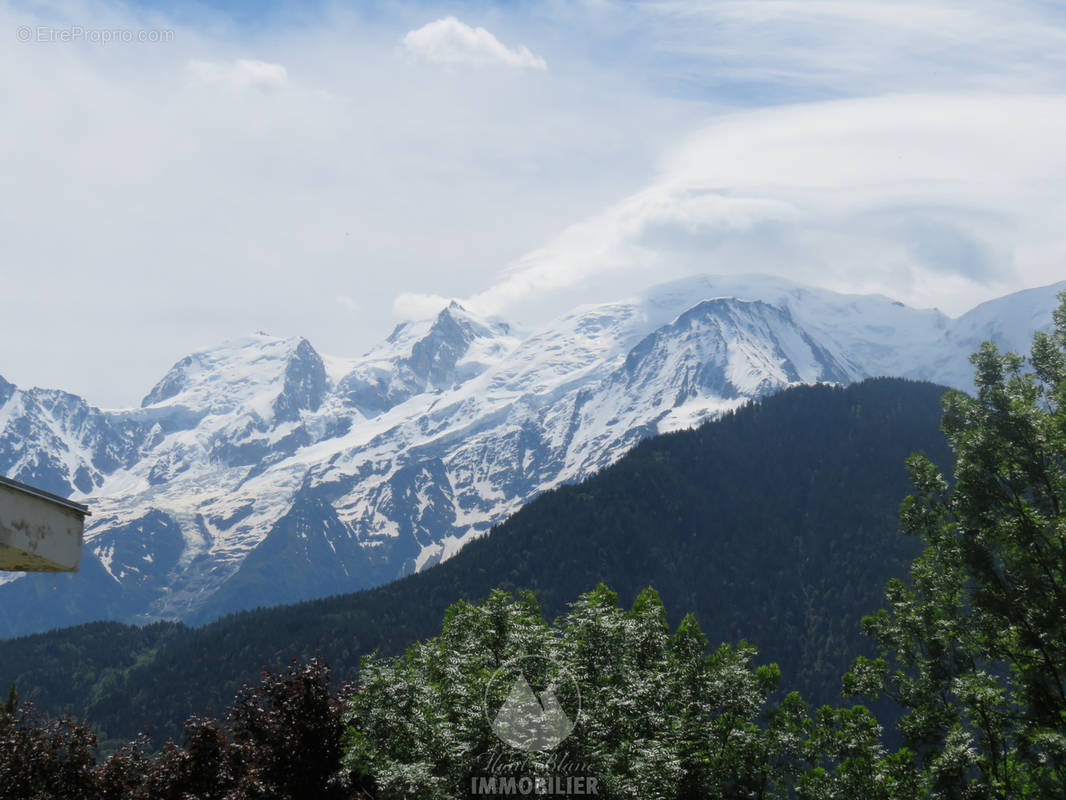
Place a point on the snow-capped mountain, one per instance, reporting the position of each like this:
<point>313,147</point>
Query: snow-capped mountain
<point>260,472</point>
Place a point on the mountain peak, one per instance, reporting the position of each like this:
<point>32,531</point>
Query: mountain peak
<point>429,355</point>
<point>226,375</point>
<point>305,383</point>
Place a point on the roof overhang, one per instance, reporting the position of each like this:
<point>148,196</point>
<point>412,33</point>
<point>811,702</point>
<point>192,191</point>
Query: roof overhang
<point>39,531</point>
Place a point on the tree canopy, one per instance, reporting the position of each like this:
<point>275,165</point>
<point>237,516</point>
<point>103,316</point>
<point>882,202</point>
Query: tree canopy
<point>974,644</point>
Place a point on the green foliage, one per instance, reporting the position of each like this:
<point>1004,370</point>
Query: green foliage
<point>660,716</point>
<point>656,714</point>
<point>974,645</point>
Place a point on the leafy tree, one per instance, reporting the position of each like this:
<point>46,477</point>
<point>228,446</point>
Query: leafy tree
<point>845,758</point>
<point>974,646</point>
<point>418,723</point>
<point>286,737</point>
<point>45,758</point>
<point>282,740</point>
<point>659,715</point>
<point>123,775</point>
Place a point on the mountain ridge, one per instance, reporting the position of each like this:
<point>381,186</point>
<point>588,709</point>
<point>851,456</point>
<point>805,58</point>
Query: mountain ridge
<point>450,425</point>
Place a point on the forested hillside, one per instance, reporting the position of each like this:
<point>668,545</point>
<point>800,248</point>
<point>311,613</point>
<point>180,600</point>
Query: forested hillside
<point>776,524</point>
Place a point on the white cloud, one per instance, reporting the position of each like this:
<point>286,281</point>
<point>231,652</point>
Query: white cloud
<point>938,199</point>
<point>241,73</point>
<point>449,41</point>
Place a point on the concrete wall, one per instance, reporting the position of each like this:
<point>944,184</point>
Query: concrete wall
<point>37,534</point>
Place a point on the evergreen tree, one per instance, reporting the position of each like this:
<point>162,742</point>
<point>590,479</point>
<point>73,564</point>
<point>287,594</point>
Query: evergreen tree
<point>11,704</point>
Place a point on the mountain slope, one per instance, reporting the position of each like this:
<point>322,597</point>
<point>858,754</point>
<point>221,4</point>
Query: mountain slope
<point>393,462</point>
<point>776,523</point>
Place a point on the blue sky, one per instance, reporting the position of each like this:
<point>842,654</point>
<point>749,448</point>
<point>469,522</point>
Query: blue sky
<point>326,169</point>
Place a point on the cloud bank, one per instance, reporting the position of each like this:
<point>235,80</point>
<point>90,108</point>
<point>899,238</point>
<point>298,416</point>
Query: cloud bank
<point>945,198</point>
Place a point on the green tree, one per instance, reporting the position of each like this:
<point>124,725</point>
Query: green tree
<point>659,715</point>
<point>974,646</point>
<point>11,704</point>
<point>417,725</point>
